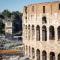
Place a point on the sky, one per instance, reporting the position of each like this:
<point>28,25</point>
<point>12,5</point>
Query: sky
<point>17,5</point>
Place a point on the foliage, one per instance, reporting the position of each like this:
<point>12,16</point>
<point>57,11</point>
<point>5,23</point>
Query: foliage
<point>16,20</point>
<point>2,25</point>
<point>6,13</point>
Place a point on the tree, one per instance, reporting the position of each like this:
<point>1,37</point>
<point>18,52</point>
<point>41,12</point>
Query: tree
<point>2,25</point>
<point>6,13</point>
<point>16,18</point>
<point>17,21</point>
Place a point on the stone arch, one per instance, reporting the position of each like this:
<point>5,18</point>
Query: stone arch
<point>38,54</point>
<point>26,26</point>
<point>28,32</point>
<point>58,32</point>
<point>38,33</point>
<point>59,56</point>
<point>29,51</point>
<point>44,33</point>
<point>33,32</point>
<point>51,33</point>
<point>44,20</point>
<point>44,55</point>
<point>33,53</point>
<point>52,56</point>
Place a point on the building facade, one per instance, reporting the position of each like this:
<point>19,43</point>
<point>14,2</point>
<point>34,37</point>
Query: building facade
<point>41,31</point>
<point>8,27</point>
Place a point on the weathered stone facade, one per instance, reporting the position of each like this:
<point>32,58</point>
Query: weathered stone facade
<point>8,27</point>
<point>41,31</point>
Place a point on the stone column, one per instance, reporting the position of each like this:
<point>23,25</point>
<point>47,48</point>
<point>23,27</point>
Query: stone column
<point>41,33</point>
<point>56,35</point>
<point>35,54</point>
<point>31,53</point>
<point>28,50</point>
<point>56,56</point>
<point>30,31</point>
<point>48,56</point>
<point>25,50</point>
<point>34,33</point>
<point>48,33</point>
<point>40,55</point>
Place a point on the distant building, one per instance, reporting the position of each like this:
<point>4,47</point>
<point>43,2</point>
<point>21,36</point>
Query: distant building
<point>41,31</point>
<point>8,27</point>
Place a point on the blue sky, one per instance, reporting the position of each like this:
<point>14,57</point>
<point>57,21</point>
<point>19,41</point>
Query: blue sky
<point>17,5</point>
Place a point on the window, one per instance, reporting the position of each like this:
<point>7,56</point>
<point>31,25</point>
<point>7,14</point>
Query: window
<point>26,17</point>
<point>51,33</point>
<point>52,56</point>
<point>25,31</point>
<point>44,55</point>
<point>38,33</point>
<point>43,9</point>
<point>32,8</point>
<point>29,51</point>
<point>33,32</point>
<point>44,33</point>
<point>25,9</point>
<point>44,20</point>
<point>28,32</point>
<point>58,31</point>
<point>59,6</point>
<point>33,53</point>
<point>59,56</point>
<point>38,54</point>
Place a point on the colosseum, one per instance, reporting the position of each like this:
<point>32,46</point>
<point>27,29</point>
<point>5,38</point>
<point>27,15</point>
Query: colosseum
<point>41,31</point>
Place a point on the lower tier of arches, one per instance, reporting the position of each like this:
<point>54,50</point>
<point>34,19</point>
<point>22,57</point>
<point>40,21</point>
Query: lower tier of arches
<point>37,54</point>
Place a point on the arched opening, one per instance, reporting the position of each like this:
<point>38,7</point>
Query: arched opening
<point>33,32</point>
<point>33,53</point>
<point>44,33</point>
<point>26,27</point>
<point>29,51</point>
<point>58,31</point>
<point>44,55</point>
<point>59,56</point>
<point>52,56</point>
<point>28,32</point>
<point>38,54</point>
<point>44,20</point>
<point>38,33</point>
<point>51,33</point>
